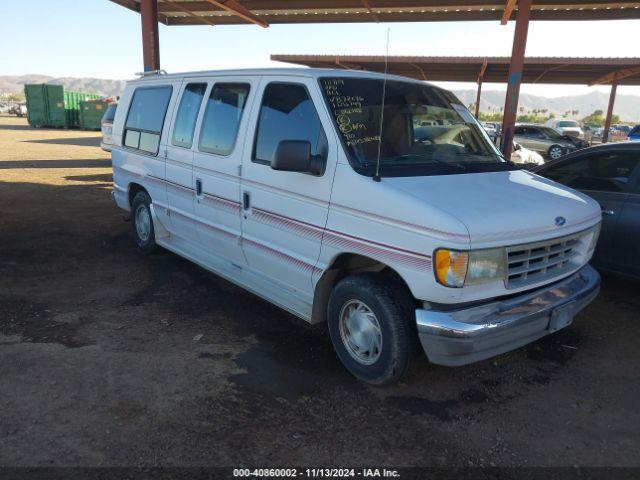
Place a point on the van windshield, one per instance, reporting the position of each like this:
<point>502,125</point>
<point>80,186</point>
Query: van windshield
<point>425,130</point>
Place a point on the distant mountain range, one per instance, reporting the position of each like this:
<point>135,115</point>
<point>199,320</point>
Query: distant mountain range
<point>627,106</point>
<point>111,88</point>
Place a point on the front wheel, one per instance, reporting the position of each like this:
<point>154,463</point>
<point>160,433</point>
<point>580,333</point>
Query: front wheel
<point>555,151</point>
<point>143,231</point>
<point>370,328</point>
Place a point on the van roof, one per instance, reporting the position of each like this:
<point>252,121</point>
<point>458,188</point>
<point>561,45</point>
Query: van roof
<point>294,72</point>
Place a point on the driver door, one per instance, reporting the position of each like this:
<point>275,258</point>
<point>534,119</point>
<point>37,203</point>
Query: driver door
<point>284,213</point>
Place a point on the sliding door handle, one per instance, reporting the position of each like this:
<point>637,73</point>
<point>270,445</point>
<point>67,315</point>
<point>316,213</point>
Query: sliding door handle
<point>246,201</point>
<point>198,187</point>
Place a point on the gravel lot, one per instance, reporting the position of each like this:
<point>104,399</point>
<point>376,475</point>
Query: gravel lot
<point>111,358</point>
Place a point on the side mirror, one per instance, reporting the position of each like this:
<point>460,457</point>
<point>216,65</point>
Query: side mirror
<point>295,156</point>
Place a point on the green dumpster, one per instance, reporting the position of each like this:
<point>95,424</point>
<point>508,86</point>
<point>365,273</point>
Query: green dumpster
<point>37,109</point>
<point>52,106</point>
<point>91,113</point>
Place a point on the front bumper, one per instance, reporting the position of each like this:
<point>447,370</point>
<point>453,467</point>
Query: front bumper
<point>460,337</point>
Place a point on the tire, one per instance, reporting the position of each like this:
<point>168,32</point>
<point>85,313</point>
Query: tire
<point>555,151</point>
<point>142,222</point>
<point>353,302</point>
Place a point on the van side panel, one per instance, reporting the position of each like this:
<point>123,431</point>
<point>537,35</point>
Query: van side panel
<point>132,166</point>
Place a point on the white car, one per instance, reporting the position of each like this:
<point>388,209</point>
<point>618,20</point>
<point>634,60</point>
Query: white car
<point>524,156</point>
<point>284,182</point>
<point>567,127</point>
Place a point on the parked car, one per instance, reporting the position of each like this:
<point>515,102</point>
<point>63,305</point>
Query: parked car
<point>491,131</point>
<point>566,127</point>
<point>609,173</point>
<point>524,156</point>
<point>623,129</point>
<point>544,140</point>
<point>634,134</point>
<point>107,127</point>
<point>19,110</point>
<point>284,182</point>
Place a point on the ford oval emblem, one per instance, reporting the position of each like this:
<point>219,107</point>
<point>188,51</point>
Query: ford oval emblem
<point>560,221</point>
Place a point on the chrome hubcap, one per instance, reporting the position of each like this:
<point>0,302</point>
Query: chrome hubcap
<point>555,153</point>
<point>360,332</point>
<point>143,223</point>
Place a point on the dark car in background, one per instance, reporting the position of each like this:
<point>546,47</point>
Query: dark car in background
<point>609,173</point>
<point>546,141</point>
<point>634,133</point>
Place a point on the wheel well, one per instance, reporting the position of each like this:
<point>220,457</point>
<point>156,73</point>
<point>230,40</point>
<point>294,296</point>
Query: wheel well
<point>344,265</point>
<point>134,189</point>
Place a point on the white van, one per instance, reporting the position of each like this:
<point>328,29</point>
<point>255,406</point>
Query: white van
<point>302,187</point>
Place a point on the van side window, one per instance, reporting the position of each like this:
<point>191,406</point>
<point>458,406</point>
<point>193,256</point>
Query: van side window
<point>222,117</point>
<point>287,113</point>
<point>188,114</point>
<point>145,119</point>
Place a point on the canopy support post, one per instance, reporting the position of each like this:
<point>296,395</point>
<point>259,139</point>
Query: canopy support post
<point>612,101</point>
<point>150,38</point>
<point>515,75</point>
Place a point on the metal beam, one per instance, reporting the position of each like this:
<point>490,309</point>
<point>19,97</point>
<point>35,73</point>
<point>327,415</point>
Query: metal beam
<point>150,38</point>
<point>515,75</point>
<point>367,5</point>
<point>238,10</point>
<point>421,70</point>
<point>483,68</point>
<point>618,75</point>
<point>612,101</point>
<point>189,12</point>
<point>508,9</point>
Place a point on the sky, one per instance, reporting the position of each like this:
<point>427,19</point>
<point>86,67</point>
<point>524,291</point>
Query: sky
<point>97,38</point>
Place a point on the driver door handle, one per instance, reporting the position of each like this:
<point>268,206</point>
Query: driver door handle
<point>608,212</point>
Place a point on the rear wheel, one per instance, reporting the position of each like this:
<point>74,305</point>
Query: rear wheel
<point>555,151</point>
<point>143,231</point>
<point>370,328</point>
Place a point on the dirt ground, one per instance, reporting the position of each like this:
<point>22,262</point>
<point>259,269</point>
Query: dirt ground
<point>108,357</point>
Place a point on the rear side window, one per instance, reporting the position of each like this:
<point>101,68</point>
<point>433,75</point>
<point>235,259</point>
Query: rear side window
<point>143,127</point>
<point>287,113</point>
<point>604,172</point>
<point>188,115</point>
<point>222,117</point>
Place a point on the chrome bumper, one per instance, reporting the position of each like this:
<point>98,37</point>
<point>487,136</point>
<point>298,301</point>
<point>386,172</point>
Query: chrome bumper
<point>465,336</point>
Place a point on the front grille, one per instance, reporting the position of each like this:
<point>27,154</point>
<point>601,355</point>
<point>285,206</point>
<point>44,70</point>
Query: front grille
<point>537,262</point>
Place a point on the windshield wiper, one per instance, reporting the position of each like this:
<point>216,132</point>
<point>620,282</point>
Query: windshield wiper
<point>437,160</point>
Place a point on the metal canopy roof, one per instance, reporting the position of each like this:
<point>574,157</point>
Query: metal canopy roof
<point>564,70</point>
<point>265,12</point>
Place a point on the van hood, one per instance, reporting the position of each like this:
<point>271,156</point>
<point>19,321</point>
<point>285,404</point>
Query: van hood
<point>503,208</point>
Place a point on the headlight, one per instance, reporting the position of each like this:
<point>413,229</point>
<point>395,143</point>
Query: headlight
<point>594,239</point>
<point>457,268</point>
<point>485,266</point>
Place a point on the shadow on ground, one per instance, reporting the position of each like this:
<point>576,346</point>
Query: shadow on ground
<point>75,163</point>
<point>76,141</point>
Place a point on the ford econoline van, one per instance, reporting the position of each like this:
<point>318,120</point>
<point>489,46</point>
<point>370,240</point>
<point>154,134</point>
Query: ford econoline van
<point>374,203</point>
